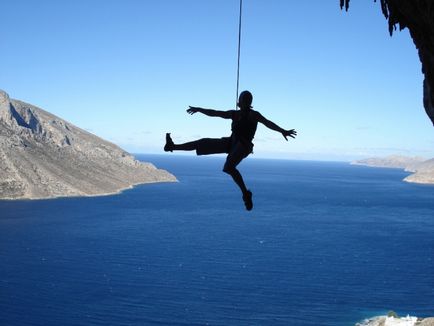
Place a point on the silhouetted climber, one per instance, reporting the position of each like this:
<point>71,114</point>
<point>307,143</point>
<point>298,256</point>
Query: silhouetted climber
<point>238,146</point>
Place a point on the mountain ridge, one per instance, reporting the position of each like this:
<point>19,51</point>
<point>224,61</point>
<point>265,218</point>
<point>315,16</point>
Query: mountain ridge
<point>44,156</point>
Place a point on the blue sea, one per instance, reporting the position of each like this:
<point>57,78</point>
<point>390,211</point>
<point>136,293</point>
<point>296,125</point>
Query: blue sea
<point>326,244</point>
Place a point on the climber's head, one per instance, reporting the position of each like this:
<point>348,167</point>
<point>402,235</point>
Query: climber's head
<point>245,100</point>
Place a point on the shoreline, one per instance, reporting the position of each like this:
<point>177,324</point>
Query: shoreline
<point>413,176</point>
<point>118,192</point>
<point>396,321</point>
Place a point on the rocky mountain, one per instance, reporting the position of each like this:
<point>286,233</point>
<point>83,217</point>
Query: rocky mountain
<point>424,173</point>
<point>43,156</point>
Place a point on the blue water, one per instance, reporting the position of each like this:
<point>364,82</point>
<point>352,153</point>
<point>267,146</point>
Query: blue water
<point>326,244</point>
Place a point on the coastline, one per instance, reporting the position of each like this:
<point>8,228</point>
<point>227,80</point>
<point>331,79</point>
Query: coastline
<point>396,321</point>
<point>420,171</point>
<point>117,192</point>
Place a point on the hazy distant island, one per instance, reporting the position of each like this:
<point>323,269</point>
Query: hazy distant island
<point>393,161</point>
<point>421,168</point>
<point>43,156</point>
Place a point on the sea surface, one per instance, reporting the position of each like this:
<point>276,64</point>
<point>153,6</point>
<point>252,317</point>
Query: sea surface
<point>326,244</point>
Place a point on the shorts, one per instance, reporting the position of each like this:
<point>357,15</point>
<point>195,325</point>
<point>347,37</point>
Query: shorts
<point>236,150</point>
<point>207,146</point>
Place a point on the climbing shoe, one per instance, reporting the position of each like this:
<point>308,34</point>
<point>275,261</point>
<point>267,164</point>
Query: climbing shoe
<point>169,144</point>
<point>247,198</point>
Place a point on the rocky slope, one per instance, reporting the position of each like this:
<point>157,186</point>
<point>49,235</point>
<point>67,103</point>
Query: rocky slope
<point>43,156</point>
<point>391,321</point>
<point>424,173</point>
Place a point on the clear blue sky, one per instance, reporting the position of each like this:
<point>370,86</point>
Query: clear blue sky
<point>127,71</point>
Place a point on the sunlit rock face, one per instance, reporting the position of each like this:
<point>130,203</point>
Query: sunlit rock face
<point>418,17</point>
<point>43,156</point>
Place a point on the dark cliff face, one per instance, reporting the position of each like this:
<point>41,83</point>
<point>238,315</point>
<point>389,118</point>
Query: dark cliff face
<point>418,17</point>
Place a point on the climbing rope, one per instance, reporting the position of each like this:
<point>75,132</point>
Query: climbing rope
<point>239,52</point>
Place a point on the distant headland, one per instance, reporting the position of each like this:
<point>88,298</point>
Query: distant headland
<point>422,169</point>
<point>43,156</point>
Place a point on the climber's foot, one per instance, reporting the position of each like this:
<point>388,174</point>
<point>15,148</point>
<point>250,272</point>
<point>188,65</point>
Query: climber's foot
<point>169,144</point>
<point>247,198</point>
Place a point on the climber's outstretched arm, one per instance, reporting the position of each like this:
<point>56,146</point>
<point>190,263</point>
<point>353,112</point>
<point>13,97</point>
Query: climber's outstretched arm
<point>271,125</point>
<point>210,112</point>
